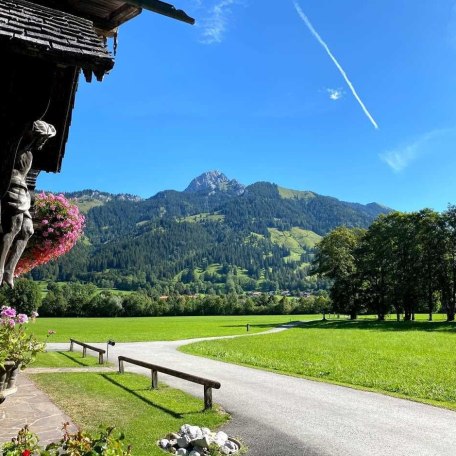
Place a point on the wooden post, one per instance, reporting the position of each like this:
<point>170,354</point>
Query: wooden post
<point>84,351</point>
<point>154,379</point>
<point>71,345</point>
<point>121,366</point>
<point>100,358</point>
<point>207,397</point>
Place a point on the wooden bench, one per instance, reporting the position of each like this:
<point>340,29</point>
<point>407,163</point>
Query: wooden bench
<point>85,346</point>
<point>208,384</point>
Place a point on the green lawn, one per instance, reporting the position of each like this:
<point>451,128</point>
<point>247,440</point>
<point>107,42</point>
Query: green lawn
<point>155,328</point>
<point>125,401</point>
<point>64,359</point>
<point>415,360</point>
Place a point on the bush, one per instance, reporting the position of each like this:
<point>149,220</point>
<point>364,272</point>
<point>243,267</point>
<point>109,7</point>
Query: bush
<point>77,444</point>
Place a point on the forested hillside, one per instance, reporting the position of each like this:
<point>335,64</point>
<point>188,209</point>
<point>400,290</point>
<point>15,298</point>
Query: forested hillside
<point>217,235</point>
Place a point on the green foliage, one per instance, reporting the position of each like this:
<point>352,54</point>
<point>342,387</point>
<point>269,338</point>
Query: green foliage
<point>72,444</point>
<point>336,259</point>
<point>25,297</point>
<point>405,262</point>
<point>17,343</point>
<point>267,234</point>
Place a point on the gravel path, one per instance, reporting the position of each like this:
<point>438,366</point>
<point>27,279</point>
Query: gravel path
<point>279,415</point>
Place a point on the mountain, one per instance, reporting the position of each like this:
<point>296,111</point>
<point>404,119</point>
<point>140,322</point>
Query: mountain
<point>216,235</point>
<point>213,182</point>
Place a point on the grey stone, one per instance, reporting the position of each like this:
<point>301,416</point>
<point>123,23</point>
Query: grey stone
<point>231,445</point>
<point>181,452</point>
<point>204,442</point>
<point>163,443</point>
<point>183,441</point>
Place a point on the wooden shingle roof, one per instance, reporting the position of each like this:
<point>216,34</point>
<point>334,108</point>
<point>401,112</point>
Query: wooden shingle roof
<point>107,15</point>
<point>36,30</point>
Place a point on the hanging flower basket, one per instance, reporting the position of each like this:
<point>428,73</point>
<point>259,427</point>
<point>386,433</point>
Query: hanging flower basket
<point>58,225</point>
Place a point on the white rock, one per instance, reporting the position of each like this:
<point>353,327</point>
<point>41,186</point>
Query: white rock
<point>163,443</point>
<point>221,436</point>
<point>181,452</point>
<point>206,431</point>
<point>225,450</point>
<point>194,432</point>
<point>194,453</point>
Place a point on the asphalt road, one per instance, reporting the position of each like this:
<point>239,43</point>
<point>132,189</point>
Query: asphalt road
<point>277,415</point>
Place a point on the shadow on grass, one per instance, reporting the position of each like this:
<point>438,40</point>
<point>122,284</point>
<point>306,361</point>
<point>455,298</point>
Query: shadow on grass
<point>137,395</point>
<point>76,361</point>
<point>375,325</point>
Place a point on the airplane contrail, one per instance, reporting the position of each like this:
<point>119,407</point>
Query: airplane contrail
<point>339,67</point>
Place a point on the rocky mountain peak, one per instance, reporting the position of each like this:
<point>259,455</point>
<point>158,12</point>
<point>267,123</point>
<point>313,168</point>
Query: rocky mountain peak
<point>212,182</point>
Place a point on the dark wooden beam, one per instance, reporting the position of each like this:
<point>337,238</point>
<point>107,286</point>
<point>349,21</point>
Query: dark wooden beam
<point>163,8</point>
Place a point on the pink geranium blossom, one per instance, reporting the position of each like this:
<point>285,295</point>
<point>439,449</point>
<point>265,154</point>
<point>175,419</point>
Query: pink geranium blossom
<point>60,225</point>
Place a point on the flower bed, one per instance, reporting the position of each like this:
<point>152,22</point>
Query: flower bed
<point>78,444</point>
<point>58,225</point>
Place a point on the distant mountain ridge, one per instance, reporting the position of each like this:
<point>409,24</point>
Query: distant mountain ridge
<point>215,235</point>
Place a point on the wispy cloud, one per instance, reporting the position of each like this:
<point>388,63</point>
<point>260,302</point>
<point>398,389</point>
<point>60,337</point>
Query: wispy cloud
<point>333,58</point>
<point>399,158</point>
<point>215,24</point>
<point>335,94</point>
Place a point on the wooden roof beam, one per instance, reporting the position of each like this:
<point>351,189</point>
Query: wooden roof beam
<point>163,8</point>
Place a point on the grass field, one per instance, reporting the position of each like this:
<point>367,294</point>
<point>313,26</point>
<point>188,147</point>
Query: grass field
<point>156,328</point>
<point>413,360</point>
<point>64,359</point>
<point>125,401</point>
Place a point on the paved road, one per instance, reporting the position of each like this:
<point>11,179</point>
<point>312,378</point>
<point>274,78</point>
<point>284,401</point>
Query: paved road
<point>277,415</point>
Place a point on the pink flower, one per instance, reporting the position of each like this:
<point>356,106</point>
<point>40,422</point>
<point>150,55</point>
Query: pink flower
<point>22,318</point>
<point>8,312</point>
<point>64,225</point>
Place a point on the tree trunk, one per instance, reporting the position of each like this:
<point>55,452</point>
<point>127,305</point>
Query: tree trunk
<point>381,317</point>
<point>353,316</point>
<point>450,316</point>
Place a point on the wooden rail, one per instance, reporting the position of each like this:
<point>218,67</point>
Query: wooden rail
<point>85,346</point>
<point>208,384</point>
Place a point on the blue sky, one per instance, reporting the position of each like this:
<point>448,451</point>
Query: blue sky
<point>251,91</point>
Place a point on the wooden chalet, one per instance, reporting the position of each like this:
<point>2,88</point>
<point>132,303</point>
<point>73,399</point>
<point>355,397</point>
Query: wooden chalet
<point>44,45</point>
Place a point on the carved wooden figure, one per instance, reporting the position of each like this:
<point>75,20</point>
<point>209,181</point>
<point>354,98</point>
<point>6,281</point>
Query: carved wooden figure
<point>16,221</point>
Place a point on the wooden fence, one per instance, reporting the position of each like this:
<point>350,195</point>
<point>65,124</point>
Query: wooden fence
<point>208,384</point>
<point>85,346</point>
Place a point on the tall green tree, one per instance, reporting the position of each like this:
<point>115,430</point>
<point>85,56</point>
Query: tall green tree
<point>25,297</point>
<point>335,259</point>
